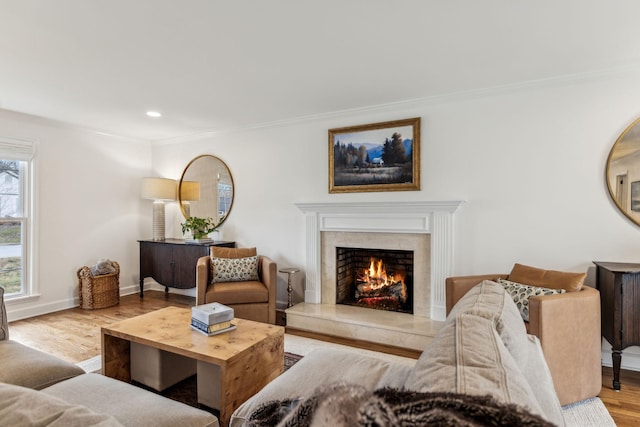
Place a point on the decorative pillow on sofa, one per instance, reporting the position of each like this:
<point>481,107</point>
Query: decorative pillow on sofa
<point>547,278</point>
<point>521,293</point>
<point>234,269</point>
<point>488,299</point>
<point>468,356</point>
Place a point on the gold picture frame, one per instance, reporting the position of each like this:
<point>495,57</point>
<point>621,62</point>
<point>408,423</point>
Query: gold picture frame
<point>381,156</point>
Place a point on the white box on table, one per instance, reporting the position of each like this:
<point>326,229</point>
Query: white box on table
<point>212,313</point>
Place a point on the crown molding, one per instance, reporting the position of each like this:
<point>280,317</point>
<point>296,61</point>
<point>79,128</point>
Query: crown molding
<point>465,95</point>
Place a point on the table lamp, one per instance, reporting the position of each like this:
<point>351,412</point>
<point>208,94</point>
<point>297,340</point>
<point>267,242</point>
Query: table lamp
<point>158,190</point>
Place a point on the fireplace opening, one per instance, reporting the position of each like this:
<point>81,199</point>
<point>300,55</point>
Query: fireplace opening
<point>380,279</point>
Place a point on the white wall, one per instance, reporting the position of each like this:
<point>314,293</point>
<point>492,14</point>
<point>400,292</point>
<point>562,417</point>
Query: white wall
<point>88,207</point>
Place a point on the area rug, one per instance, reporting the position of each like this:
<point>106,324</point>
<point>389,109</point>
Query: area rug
<point>186,391</point>
<point>588,413</point>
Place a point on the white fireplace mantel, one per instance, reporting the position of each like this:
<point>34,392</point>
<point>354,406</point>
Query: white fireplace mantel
<point>428,217</point>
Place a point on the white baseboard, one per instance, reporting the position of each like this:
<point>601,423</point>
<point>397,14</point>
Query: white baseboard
<point>630,357</point>
<point>629,361</point>
<point>25,311</point>
<point>30,307</point>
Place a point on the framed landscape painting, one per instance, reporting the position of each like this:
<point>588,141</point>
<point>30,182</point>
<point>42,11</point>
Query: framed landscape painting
<point>375,157</point>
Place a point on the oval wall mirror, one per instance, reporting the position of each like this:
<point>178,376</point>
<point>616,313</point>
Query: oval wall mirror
<point>205,189</point>
<point>623,172</point>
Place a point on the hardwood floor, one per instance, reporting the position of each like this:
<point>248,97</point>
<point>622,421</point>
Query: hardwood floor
<point>624,406</point>
<point>74,335</point>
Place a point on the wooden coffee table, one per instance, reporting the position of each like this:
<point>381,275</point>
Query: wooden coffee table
<point>245,359</point>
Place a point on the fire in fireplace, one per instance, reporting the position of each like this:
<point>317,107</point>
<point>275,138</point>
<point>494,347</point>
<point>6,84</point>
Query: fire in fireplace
<point>375,278</point>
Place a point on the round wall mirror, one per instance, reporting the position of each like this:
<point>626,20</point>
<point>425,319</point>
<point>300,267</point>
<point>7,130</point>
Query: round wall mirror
<point>205,189</point>
<point>623,172</point>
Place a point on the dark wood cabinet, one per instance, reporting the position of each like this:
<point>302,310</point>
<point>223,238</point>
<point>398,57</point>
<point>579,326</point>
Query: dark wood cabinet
<point>172,262</point>
<point>619,286</point>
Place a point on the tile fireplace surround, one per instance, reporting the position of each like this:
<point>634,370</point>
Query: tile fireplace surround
<point>423,227</point>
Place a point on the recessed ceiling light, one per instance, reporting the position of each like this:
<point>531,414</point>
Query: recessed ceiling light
<point>153,114</point>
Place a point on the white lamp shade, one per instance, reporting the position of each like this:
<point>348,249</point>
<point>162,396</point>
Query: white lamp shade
<point>158,189</point>
<point>190,191</point>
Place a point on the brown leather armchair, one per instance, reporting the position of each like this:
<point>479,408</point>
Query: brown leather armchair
<point>568,326</point>
<point>252,300</point>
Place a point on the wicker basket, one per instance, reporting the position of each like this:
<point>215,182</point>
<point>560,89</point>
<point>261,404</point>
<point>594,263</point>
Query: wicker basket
<point>99,291</point>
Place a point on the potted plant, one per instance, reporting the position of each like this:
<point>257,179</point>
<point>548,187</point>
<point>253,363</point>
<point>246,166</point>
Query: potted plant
<point>199,227</point>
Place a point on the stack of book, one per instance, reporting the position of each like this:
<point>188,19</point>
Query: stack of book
<point>212,319</point>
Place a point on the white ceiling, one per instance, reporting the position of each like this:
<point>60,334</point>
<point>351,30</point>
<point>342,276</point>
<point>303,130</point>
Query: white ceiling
<point>212,65</point>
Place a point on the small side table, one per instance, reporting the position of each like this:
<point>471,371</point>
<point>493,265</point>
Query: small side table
<point>619,286</point>
<point>289,271</point>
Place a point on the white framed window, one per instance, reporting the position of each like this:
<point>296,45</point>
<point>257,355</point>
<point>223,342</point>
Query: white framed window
<point>16,219</point>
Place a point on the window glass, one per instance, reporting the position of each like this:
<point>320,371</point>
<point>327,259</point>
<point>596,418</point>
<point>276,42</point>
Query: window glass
<point>225,192</point>
<point>12,225</point>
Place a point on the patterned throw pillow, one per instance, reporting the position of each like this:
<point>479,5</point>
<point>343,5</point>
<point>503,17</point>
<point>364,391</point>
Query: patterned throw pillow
<point>521,293</point>
<point>234,269</point>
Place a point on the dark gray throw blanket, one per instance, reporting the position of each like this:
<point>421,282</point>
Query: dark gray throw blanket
<point>351,405</point>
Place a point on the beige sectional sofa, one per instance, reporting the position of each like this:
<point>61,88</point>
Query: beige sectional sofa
<point>482,349</point>
<point>37,389</point>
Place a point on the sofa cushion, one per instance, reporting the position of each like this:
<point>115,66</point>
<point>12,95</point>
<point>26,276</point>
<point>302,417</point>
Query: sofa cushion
<point>21,406</point>
<point>315,370</point>
<point>234,269</point>
<point>130,405</point>
<point>537,374</point>
<point>238,293</point>
<point>28,367</point>
<point>488,299</point>
<point>468,356</point>
<point>547,278</point>
<point>220,252</point>
<point>4,326</point>
<point>521,293</point>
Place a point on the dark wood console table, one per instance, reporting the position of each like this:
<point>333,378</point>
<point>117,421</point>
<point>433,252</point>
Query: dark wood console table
<point>172,262</point>
<point>619,286</point>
